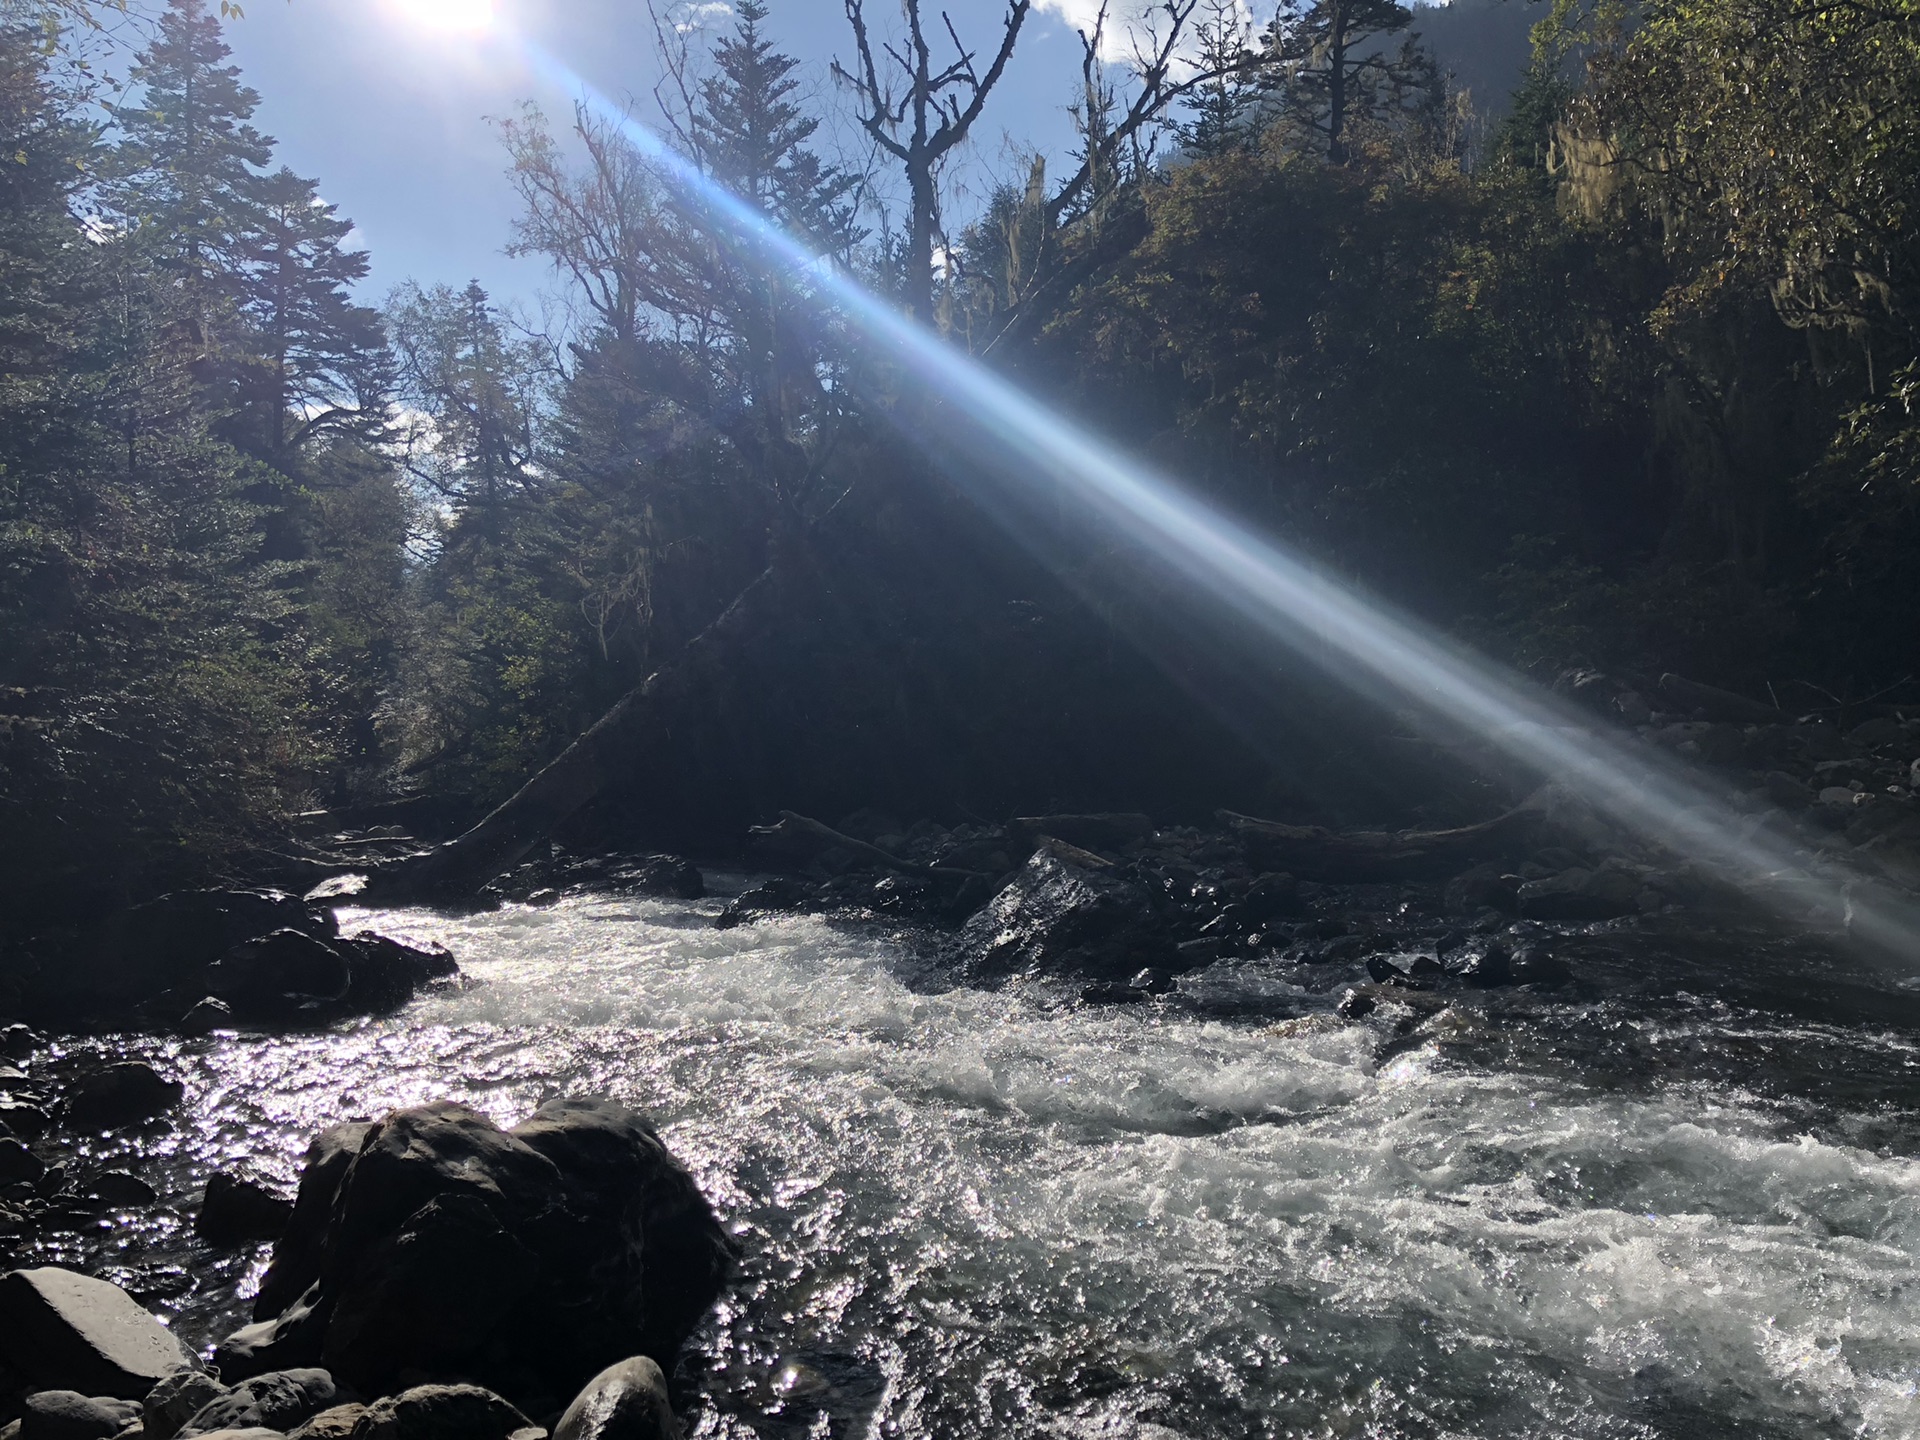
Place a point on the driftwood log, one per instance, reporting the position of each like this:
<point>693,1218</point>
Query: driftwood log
<point>1317,853</point>
<point>1718,704</point>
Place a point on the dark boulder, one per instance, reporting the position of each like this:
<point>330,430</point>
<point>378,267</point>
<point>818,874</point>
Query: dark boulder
<point>781,893</point>
<point>662,875</point>
<point>273,977</point>
<point>1061,915</point>
<point>1481,888</point>
<point>18,1163</point>
<point>437,1243</point>
<point>1487,967</point>
<point>166,945</point>
<point>279,1400</point>
<point>627,1401</point>
<point>384,973</point>
<point>300,1250</point>
<point>61,1330</point>
<point>205,1016</point>
<point>442,1412</point>
<point>115,1188</point>
<point>237,1210</point>
<point>121,1094</point>
<point>265,956</point>
<point>69,1415</point>
<point>1356,1005</point>
<point>288,977</point>
<point>1579,894</point>
<point>23,1118</point>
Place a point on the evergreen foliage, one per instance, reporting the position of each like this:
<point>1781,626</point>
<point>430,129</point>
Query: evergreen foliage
<point>1631,382</point>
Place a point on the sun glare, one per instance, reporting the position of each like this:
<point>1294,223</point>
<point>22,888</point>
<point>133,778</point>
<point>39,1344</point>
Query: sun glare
<point>448,17</point>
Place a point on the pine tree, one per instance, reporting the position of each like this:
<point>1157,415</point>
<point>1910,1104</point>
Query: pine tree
<point>185,171</point>
<point>318,362</point>
<point>1333,67</point>
<point>476,386</point>
<point>752,136</point>
<point>1220,111</point>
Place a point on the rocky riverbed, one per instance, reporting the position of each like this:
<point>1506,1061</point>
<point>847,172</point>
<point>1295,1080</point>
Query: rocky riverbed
<point>1077,1124</point>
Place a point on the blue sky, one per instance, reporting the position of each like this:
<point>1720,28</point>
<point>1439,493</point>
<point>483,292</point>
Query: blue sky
<point>392,116</point>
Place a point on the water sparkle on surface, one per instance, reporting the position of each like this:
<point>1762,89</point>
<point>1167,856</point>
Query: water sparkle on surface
<point>985,1213</point>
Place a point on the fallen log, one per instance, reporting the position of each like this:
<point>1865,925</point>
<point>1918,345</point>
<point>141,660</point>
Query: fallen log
<point>1720,704</point>
<point>457,869</point>
<point>1317,853</point>
<point>796,833</point>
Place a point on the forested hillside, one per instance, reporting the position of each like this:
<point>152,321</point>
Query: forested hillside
<point>1623,378</point>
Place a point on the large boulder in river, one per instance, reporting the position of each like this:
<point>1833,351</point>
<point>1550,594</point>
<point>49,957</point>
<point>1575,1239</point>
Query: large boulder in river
<point>64,1331</point>
<point>1065,911</point>
<point>291,977</point>
<point>627,1401</point>
<point>435,1243</point>
<point>121,1094</point>
<point>266,957</point>
<point>167,944</point>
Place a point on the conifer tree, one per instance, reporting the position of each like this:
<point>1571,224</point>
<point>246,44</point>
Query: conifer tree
<point>1334,65</point>
<point>752,136</point>
<point>1219,109</point>
<point>185,170</point>
<point>318,362</point>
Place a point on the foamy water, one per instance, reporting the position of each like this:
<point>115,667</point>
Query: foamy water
<point>990,1213</point>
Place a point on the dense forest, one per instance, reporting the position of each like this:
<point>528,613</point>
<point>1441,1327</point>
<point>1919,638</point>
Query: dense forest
<point>1623,378</point>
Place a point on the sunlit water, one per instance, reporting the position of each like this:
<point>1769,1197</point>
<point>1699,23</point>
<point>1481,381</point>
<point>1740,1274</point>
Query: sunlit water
<point>979,1213</point>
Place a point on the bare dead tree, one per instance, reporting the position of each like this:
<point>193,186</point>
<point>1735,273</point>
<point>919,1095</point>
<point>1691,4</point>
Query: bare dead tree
<point>918,114</point>
<point>1109,132</point>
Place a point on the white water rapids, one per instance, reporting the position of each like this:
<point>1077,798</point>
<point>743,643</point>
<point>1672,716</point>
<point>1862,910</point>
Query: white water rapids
<point>979,1213</point>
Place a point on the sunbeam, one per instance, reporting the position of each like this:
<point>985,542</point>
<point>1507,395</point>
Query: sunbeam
<point>1287,601</point>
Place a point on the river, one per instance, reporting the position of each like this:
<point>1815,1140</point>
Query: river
<point>1686,1205</point>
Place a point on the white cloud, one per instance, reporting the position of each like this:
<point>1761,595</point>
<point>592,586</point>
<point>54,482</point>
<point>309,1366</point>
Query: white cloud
<point>1131,24</point>
<point>698,16</point>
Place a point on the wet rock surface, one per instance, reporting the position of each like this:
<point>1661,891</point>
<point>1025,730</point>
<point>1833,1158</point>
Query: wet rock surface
<point>198,961</point>
<point>433,1242</point>
<point>64,1331</point>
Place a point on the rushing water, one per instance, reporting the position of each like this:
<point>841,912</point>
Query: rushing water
<point>1684,1210</point>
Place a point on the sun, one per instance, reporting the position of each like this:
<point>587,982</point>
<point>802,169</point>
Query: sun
<point>448,17</point>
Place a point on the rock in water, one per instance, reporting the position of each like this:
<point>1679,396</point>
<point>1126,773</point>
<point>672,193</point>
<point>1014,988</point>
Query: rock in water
<point>441,1412</point>
<point>276,1401</point>
<point>274,976</point>
<point>1579,894</point>
<point>18,1163</point>
<point>627,1401</point>
<point>63,1331</point>
<point>69,1415</point>
<point>289,976</point>
<point>437,1243</point>
<point>239,1211</point>
<point>122,1094</point>
<point>664,875</point>
<point>1057,915</point>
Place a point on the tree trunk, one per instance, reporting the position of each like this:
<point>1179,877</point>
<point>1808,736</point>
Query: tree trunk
<point>583,770</point>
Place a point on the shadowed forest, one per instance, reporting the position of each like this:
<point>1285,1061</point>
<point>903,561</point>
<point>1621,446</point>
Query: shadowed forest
<point>1617,372</point>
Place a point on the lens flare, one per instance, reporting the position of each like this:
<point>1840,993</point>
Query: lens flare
<point>447,17</point>
<point>1292,605</point>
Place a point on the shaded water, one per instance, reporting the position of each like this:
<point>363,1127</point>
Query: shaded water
<point>1686,1210</point>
